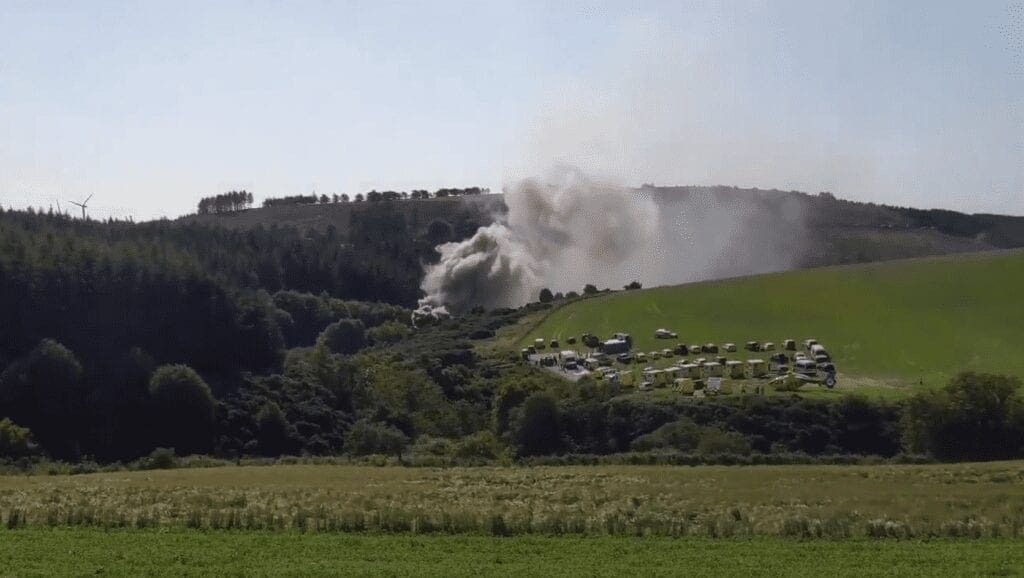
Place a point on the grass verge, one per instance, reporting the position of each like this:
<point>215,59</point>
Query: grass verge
<point>76,552</point>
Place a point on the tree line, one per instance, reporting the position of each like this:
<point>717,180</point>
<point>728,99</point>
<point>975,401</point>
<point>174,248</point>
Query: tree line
<point>373,196</point>
<point>225,203</point>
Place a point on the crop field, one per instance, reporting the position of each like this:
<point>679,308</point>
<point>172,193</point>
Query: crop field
<point>85,551</point>
<point>919,501</point>
<point>895,323</point>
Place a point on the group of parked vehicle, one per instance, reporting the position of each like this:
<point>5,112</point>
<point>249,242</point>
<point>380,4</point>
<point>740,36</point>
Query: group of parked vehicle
<point>793,368</point>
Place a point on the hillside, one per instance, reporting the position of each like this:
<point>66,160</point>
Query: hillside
<point>837,231</point>
<point>833,232</point>
<point>900,321</point>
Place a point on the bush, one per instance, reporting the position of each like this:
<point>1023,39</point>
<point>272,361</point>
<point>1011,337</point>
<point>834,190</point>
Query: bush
<point>275,436</point>
<point>388,333</point>
<point>481,334</point>
<point>716,441</point>
<point>183,409</point>
<point>682,435</point>
<point>345,336</point>
<point>537,429</point>
<point>977,416</point>
<point>43,391</point>
<point>369,437</point>
<point>159,459</point>
<point>16,441</point>
<point>482,446</point>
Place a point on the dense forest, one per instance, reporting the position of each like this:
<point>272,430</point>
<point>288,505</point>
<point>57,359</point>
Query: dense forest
<point>91,308</point>
<point>119,338</point>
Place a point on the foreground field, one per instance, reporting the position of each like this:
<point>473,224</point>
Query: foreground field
<point>901,322</point>
<point>964,500</point>
<point>67,552</point>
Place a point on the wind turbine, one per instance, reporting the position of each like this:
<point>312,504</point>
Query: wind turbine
<point>83,204</point>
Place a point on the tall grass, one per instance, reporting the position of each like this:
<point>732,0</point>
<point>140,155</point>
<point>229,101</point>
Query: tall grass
<point>804,502</point>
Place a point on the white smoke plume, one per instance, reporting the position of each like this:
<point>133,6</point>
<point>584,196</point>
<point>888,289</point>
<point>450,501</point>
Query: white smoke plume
<point>660,108</point>
<point>561,233</point>
<point>569,230</point>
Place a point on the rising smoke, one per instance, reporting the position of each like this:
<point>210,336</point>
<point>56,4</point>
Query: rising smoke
<point>663,110</point>
<point>568,230</point>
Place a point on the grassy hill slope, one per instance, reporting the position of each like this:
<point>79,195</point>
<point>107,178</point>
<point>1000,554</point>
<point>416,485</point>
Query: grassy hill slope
<point>906,321</point>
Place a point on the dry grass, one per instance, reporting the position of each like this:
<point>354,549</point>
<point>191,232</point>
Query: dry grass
<point>967,500</point>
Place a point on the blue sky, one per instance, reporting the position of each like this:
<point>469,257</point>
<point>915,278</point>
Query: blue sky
<point>151,105</point>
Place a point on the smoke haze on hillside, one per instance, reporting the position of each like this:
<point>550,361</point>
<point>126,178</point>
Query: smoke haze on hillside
<point>568,230</point>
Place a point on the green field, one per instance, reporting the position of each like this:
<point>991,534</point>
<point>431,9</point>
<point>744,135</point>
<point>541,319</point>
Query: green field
<point>954,519</point>
<point>79,552</point>
<point>892,323</point>
<point>831,502</point>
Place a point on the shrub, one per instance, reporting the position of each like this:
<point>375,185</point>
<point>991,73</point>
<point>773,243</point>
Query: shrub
<point>275,436</point>
<point>716,441</point>
<point>183,408</point>
<point>977,416</point>
<point>16,441</point>
<point>369,437</point>
<point>389,332</point>
<point>159,459</point>
<point>345,336</point>
<point>481,446</point>
<point>682,435</point>
<point>537,427</point>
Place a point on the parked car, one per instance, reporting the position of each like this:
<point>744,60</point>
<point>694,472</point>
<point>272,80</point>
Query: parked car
<point>805,367</point>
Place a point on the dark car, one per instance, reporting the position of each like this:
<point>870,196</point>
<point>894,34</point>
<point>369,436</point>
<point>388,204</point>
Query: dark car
<point>624,358</point>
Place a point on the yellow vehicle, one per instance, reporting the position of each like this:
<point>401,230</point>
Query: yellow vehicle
<point>757,367</point>
<point>793,381</point>
<point>684,385</point>
<point>734,369</point>
<point>711,369</point>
